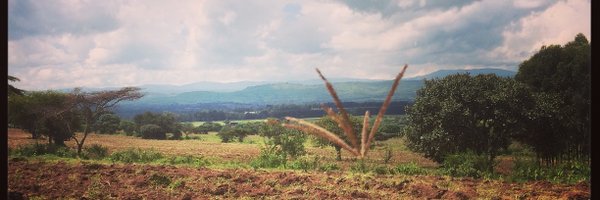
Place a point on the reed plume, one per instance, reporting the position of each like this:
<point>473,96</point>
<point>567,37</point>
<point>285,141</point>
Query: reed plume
<point>343,121</point>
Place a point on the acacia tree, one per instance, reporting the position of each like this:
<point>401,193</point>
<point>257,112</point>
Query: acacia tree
<point>92,105</point>
<point>464,113</point>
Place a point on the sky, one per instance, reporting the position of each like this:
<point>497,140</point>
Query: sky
<point>109,43</point>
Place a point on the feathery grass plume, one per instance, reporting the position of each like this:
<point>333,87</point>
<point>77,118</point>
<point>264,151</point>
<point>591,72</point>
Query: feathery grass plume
<point>317,130</point>
<point>384,107</point>
<point>344,115</point>
<point>363,143</point>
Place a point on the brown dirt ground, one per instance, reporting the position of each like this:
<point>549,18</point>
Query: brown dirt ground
<point>83,180</point>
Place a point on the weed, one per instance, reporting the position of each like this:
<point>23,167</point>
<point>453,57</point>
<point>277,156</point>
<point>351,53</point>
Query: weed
<point>96,152</point>
<point>160,180</point>
<point>409,169</point>
<point>329,167</point>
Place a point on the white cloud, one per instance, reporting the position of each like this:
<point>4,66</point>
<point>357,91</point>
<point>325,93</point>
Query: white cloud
<point>112,43</point>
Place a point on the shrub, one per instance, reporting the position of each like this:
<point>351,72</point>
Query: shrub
<point>136,155</point>
<point>566,173</point>
<point>227,134</point>
<point>152,131</point>
<point>328,167</point>
<point>96,151</point>
<point>160,180</point>
<point>306,163</point>
<point>360,166</point>
<point>43,149</point>
<point>467,164</point>
<point>269,158</point>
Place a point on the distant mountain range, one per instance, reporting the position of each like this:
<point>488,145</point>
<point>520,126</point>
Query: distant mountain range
<point>292,92</point>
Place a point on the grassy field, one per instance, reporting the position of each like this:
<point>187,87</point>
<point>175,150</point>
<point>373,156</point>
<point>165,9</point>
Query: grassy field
<point>227,174</point>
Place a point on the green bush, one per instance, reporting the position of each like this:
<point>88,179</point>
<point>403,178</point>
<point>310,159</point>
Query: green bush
<point>136,155</point>
<point>409,169</point>
<point>329,167</point>
<point>227,134</point>
<point>306,163</point>
<point>467,164</point>
<point>269,158</point>
<point>566,173</point>
<point>382,169</point>
<point>152,131</point>
<point>95,151</point>
<point>43,149</point>
<point>360,167</point>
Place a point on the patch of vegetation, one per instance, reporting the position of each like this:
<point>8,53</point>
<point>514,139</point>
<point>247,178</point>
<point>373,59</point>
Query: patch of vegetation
<point>160,180</point>
<point>409,169</point>
<point>136,155</point>
<point>95,151</point>
<point>566,173</point>
<point>186,160</point>
<point>467,164</point>
<point>43,149</point>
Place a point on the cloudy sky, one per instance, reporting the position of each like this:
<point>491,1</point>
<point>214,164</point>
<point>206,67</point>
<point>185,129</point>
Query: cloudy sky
<point>71,43</point>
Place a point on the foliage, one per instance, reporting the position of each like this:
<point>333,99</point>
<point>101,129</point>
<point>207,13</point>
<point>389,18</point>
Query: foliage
<point>207,127</point>
<point>43,149</point>
<point>390,127</point>
<point>166,122</point>
<point>107,124</point>
<point>466,164</point>
<point>464,113</point>
<point>136,155</point>
<point>409,169</point>
<point>128,127</point>
<point>239,131</point>
<point>269,158</point>
<point>186,128</point>
<point>288,142</point>
<point>306,163</point>
<point>46,113</point>
<point>152,131</point>
<point>565,173</point>
<point>561,122</point>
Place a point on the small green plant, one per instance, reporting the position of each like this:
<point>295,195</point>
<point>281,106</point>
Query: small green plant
<point>381,169</point>
<point>568,172</point>
<point>176,184</point>
<point>360,166</point>
<point>306,163</point>
<point>136,155</point>
<point>409,169</point>
<point>329,167</point>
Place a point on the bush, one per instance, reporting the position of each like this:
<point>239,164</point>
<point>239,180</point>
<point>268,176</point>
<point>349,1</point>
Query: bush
<point>152,131</point>
<point>328,167</point>
<point>306,163</point>
<point>136,155</point>
<point>566,173</point>
<point>44,149</point>
<point>360,167</point>
<point>269,158</point>
<point>409,169</point>
<point>227,134</point>
<point>95,151</point>
<point>467,164</point>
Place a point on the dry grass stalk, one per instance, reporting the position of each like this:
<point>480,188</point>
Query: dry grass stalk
<point>344,115</point>
<point>344,122</point>
<point>384,107</point>
<point>314,129</point>
<point>364,134</point>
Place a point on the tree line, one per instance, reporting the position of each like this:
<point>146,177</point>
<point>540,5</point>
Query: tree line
<point>546,107</point>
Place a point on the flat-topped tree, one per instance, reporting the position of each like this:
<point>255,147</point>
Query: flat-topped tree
<point>92,105</point>
<point>343,121</point>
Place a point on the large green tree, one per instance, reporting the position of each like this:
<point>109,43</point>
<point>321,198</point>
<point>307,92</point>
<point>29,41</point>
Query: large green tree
<point>560,76</point>
<point>107,124</point>
<point>166,121</point>
<point>462,113</point>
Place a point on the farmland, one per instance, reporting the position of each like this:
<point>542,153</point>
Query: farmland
<point>227,174</point>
